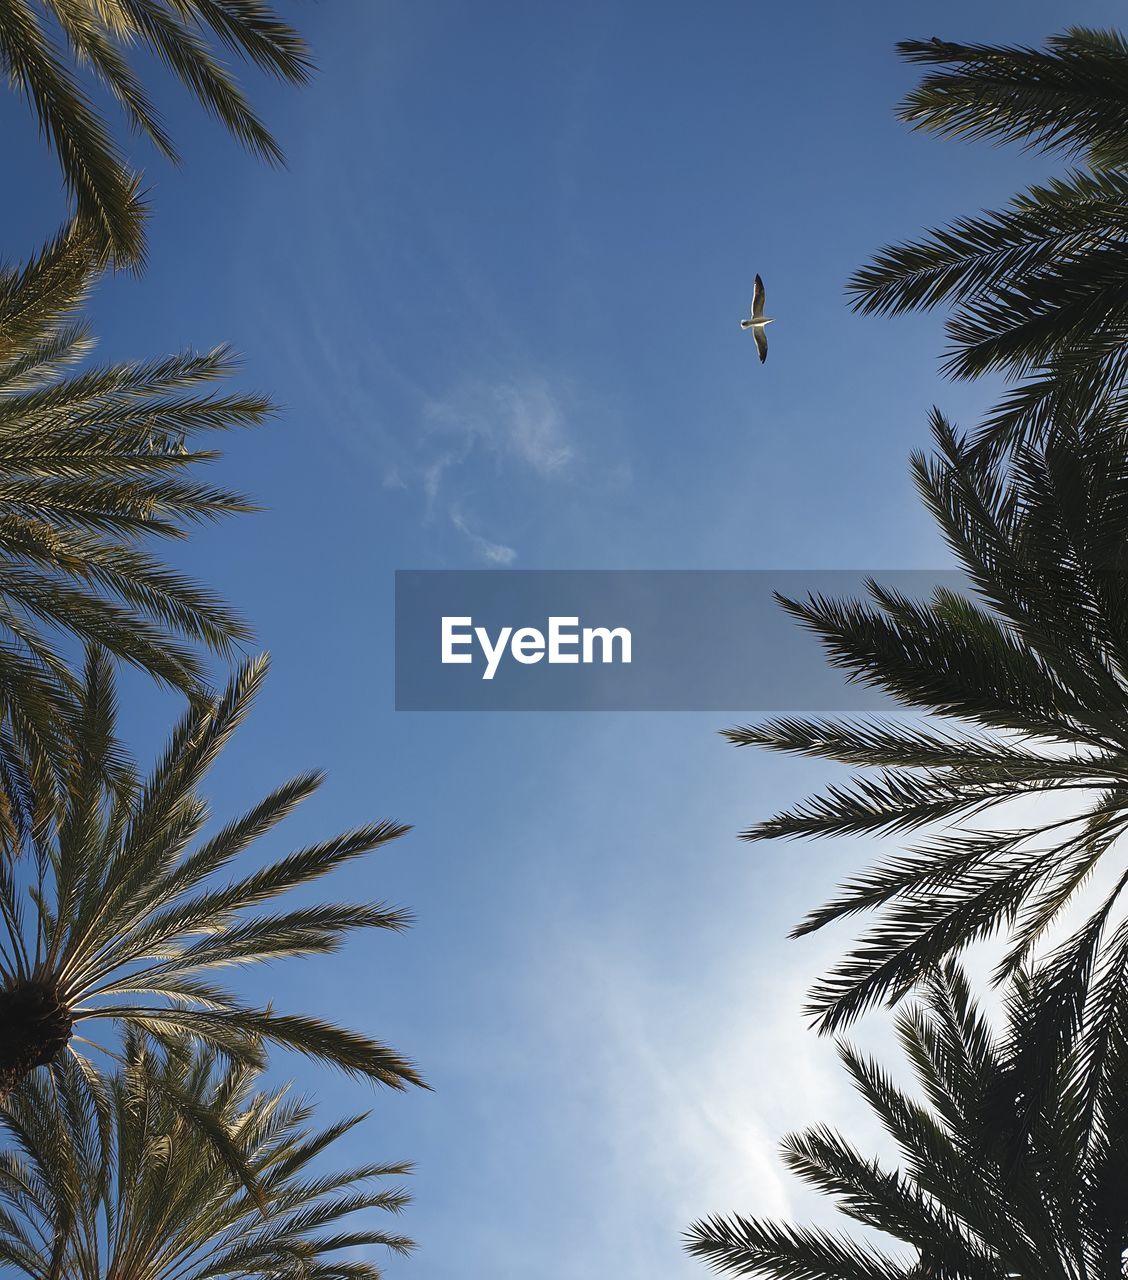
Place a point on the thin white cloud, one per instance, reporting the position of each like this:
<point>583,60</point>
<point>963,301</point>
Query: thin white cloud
<point>492,552</point>
<point>518,421</point>
<point>532,426</point>
<point>517,424</point>
<point>433,473</point>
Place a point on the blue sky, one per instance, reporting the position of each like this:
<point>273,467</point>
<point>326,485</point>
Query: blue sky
<point>497,291</point>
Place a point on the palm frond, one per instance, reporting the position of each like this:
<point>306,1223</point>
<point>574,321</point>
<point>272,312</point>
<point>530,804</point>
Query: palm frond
<point>126,922</point>
<point>188,1166</point>
<point>1001,1171</point>
<point>49,47</point>
<point>1037,291</point>
<point>1071,96</point>
<point>1019,691</point>
<point>95,462</point>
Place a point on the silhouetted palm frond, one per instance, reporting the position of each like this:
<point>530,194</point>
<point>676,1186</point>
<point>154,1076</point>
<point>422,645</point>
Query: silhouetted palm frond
<point>1071,96</point>
<point>1038,291</point>
<point>1025,682</point>
<point>1003,1171</point>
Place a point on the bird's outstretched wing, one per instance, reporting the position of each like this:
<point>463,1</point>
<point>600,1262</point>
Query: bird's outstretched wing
<point>758,299</point>
<point>761,342</point>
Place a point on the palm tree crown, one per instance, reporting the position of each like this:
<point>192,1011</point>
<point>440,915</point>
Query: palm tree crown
<point>43,43</point>
<point>1039,290</point>
<point>119,919</point>
<point>92,462</point>
<point>108,1180</point>
<point>1031,675</point>
<point>1002,1174</point>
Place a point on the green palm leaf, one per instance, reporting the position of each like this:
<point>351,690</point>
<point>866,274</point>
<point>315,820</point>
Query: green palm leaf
<point>1023,690</point>
<point>1038,291</point>
<point>181,1168</point>
<point>1070,96</point>
<point>44,43</point>
<point>1012,1166</point>
<point>94,463</point>
<point>125,921</point>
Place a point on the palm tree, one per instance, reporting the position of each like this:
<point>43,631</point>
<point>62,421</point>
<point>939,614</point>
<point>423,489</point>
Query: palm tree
<point>1024,683</point>
<point>113,1184</point>
<point>120,919</point>
<point>977,1196</point>
<point>47,48</point>
<point>1039,290</point>
<point>93,461</point>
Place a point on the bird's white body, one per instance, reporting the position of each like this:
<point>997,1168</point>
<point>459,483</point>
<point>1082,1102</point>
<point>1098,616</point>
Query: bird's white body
<point>757,321</point>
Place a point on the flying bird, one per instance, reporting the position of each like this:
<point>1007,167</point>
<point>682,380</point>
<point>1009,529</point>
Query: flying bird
<point>758,321</point>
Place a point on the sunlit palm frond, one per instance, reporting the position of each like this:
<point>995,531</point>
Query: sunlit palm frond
<point>49,47</point>
<point>131,915</point>
<point>102,1179</point>
<point>94,462</point>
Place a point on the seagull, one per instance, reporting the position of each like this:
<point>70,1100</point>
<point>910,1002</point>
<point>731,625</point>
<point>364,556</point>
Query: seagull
<point>758,320</point>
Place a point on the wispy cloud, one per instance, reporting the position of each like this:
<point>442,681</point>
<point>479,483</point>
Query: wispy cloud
<point>533,427</point>
<point>516,428</point>
<point>492,552</point>
<point>520,420</point>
